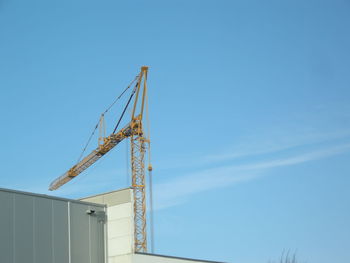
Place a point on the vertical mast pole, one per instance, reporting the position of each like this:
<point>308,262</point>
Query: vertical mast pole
<point>138,146</point>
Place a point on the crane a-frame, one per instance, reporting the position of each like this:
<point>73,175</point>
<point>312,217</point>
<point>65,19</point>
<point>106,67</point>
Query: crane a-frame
<point>139,141</point>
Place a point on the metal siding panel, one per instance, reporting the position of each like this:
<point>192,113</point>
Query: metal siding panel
<point>6,227</point>
<point>24,232</point>
<point>80,236</point>
<point>35,229</point>
<point>60,232</point>
<point>43,230</point>
<point>96,237</point>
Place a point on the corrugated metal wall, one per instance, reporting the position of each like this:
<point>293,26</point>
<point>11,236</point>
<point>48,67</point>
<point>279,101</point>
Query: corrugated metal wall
<point>43,229</point>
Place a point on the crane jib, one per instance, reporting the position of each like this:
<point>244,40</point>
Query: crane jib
<point>109,143</point>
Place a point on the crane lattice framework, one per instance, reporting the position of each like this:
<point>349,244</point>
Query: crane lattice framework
<point>138,146</point>
<point>139,142</point>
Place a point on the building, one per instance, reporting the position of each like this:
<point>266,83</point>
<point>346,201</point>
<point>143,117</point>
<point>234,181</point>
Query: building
<point>120,235</point>
<point>44,229</point>
<point>98,229</point>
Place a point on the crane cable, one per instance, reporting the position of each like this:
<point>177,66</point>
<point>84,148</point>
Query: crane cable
<point>102,115</point>
<point>127,105</point>
<point>150,168</point>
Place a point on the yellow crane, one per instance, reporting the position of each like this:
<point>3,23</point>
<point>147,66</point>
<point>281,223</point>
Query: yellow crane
<point>139,142</point>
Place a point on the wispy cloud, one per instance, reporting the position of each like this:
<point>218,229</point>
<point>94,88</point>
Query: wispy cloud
<point>276,142</point>
<point>301,158</point>
<point>177,190</point>
<point>215,171</point>
<point>257,145</point>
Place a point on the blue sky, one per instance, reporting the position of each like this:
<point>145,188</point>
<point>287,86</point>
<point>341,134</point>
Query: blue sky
<point>249,111</point>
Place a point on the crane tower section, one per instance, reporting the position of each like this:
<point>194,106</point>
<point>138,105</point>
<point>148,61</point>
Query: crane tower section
<point>138,147</point>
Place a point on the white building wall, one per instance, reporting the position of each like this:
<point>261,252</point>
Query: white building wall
<point>120,228</point>
<point>121,259</point>
<point>153,258</point>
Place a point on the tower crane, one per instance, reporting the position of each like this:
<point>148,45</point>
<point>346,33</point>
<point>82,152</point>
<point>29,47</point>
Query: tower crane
<point>139,141</point>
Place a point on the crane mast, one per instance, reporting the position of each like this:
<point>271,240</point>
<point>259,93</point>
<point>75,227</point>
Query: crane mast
<point>138,146</point>
<point>139,142</point>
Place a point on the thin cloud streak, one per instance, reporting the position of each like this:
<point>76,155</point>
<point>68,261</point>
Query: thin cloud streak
<point>279,143</point>
<point>310,156</point>
<point>177,190</point>
<point>256,147</point>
